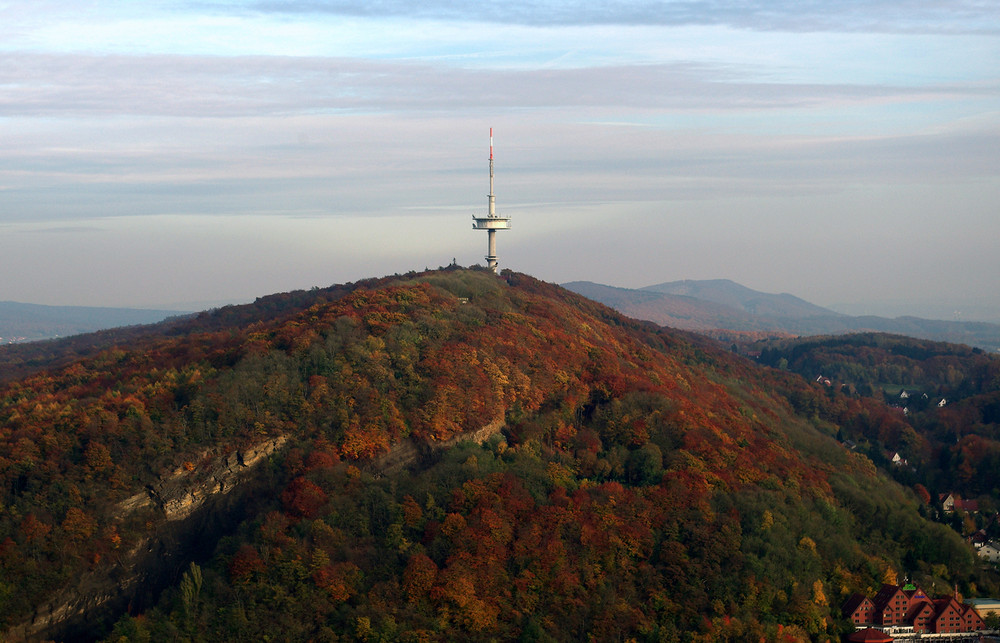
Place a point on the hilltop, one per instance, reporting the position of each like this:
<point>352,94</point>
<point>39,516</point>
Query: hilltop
<point>440,455</point>
<point>721,305</point>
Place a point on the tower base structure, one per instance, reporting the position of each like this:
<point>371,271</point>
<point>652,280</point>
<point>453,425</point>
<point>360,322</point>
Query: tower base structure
<point>491,225</point>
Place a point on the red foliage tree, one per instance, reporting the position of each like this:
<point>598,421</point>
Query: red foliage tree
<point>339,580</point>
<point>244,563</point>
<point>303,498</point>
<point>419,576</point>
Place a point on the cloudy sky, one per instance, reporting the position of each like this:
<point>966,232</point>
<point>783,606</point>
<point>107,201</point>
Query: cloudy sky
<point>163,153</point>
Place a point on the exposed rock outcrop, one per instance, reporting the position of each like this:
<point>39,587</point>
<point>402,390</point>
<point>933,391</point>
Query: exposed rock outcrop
<point>198,503</point>
<point>409,452</point>
<point>182,492</point>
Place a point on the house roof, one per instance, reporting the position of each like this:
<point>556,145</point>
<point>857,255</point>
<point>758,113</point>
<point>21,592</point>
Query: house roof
<point>853,603</point>
<point>971,506</point>
<point>941,606</point>
<point>870,635</point>
<point>917,609</point>
<point>967,505</point>
<point>885,595</point>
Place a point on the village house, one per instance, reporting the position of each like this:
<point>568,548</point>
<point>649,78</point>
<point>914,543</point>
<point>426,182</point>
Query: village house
<point>859,609</point>
<point>953,502</point>
<point>908,609</point>
<point>988,550</point>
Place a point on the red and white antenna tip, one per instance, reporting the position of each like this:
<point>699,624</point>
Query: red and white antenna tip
<point>491,143</point>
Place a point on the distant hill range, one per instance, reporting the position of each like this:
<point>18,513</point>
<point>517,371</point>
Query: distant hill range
<point>28,322</point>
<point>722,305</point>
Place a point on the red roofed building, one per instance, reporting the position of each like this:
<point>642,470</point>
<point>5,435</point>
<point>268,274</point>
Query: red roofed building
<point>859,609</point>
<point>973,621</point>
<point>953,502</point>
<point>909,607</point>
<point>869,635</point>
<point>893,603</point>
<point>948,616</point>
<point>921,615</point>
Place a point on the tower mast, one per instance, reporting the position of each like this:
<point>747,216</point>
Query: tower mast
<point>491,222</point>
<point>493,212</point>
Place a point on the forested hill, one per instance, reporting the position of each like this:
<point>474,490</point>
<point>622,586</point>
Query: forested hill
<point>437,456</point>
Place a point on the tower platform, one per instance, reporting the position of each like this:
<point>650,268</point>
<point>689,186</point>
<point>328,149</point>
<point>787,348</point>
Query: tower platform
<point>490,223</point>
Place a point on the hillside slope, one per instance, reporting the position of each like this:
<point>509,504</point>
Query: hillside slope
<point>950,395</point>
<point>436,456</point>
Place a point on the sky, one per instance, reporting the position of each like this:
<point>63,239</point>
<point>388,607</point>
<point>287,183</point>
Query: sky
<point>185,154</point>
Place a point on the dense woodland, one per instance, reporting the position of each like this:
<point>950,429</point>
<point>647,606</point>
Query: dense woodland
<point>645,483</point>
<point>936,404</point>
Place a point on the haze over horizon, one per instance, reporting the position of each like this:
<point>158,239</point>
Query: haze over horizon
<point>217,151</point>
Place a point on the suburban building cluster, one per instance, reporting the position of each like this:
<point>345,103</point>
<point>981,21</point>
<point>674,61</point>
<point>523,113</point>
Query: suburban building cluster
<point>901,610</point>
<point>986,548</point>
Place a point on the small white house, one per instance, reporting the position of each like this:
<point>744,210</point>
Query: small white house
<point>989,551</point>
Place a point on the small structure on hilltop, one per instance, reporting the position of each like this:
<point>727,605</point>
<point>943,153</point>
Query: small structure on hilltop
<point>491,222</point>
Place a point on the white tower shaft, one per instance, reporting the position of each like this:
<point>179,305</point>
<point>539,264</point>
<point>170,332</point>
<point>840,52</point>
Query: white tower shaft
<point>491,222</point>
<point>493,199</point>
<point>491,257</point>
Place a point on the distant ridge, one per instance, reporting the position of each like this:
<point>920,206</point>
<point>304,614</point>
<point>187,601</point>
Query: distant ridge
<point>730,293</point>
<point>674,310</point>
<point>724,305</point>
<point>28,322</point>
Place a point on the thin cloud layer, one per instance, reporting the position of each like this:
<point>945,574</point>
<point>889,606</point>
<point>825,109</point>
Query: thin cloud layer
<point>682,139</point>
<point>203,86</point>
<point>914,16</point>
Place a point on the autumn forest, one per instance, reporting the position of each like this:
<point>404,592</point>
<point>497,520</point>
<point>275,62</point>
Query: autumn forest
<point>453,454</point>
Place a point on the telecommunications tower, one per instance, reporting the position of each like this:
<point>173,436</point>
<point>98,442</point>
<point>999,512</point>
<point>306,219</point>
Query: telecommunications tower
<point>491,222</point>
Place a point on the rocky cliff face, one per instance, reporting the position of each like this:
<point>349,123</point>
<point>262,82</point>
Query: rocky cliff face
<point>185,490</point>
<point>410,452</point>
<point>196,504</point>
